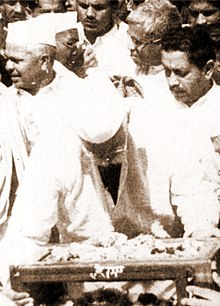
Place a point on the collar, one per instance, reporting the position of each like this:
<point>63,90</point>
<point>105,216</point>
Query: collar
<point>60,72</point>
<point>99,39</point>
<point>106,36</point>
<point>207,97</point>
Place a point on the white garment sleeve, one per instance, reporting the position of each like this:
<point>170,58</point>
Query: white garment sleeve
<point>35,210</point>
<point>196,202</point>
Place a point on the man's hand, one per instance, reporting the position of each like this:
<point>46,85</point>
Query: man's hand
<point>19,298</point>
<point>90,60</point>
<point>203,296</point>
<point>212,232</point>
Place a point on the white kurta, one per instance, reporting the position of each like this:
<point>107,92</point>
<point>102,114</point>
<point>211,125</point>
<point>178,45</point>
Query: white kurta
<point>112,51</point>
<point>62,186</point>
<point>12,151</point>
<point>36,113</point>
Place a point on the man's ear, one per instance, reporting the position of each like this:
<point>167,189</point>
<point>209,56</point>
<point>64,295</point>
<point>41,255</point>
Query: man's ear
<point>208,69</point>
<point>44,61</point>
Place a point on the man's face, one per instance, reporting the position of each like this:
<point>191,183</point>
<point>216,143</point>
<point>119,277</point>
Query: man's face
<point>69,51</point>
<point>16,10</point>
<point>144,51</point>
<point>24,67</point>
<point>49,6</point>
<point>95,15</point>
<point>203,12</point>
<point>186,81</point>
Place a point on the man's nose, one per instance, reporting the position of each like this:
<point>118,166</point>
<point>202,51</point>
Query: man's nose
<point>173,80</point>
<point>201,19</point>
<point>9,65</point>
<point>131,44</point>
<point>90,12</point>
<point>17,7</point>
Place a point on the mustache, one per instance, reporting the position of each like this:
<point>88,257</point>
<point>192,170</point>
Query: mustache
<point>90,18</point>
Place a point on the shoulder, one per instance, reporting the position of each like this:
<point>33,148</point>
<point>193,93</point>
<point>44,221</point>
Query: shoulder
<point>56,151</point>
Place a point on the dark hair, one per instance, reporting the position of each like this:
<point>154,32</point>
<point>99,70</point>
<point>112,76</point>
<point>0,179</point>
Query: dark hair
<point>215,3</point>
<point>114,4</point>
<point>108,296</point>
<point>195,41</point>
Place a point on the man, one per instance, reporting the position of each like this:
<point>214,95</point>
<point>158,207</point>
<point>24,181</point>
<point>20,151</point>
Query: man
<point>13,159</point>
<point>79,197</point>
<point>207,14</point>
<point>49,6</point>
<point>17,10</point>
<point>108,39</point>
<point>188,59</point>
<point>204,12</point>
<point>41,85</point>
<point>147,23</point>
<point>203,296</point>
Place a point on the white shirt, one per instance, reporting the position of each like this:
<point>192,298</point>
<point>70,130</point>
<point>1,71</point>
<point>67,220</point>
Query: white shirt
<point>12,150</point>
<point>204,116</point>
<point>112,51</point>
<point>36,112</point>
<point>62,186</point>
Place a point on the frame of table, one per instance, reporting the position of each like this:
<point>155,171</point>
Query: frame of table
<point>199,268</point>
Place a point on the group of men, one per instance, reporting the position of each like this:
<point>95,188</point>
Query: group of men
<point>128,145</point>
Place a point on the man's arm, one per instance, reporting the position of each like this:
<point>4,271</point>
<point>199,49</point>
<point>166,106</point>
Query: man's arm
<point>203,296</point>
<point>194,196</point>
<point>35,210</point>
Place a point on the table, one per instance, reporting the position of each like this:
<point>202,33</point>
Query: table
<point>198,267</point>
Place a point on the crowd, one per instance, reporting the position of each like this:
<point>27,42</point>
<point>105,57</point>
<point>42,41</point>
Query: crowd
<point>109,125</point>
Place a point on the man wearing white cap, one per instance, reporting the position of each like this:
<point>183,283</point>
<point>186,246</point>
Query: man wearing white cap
<point>41,84</point>
<point>67,177</point>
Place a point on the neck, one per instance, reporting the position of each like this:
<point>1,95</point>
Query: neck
<point>48,79</point>
<point>205,89</point>
<point>91,36</point>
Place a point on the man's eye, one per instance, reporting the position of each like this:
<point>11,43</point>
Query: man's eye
<point>99,7</point>
<point>83,5</point>
<point>194,14</point>
<point>181,73</point>
<point>209,13</point>
<point>136,42</point>
<point>167,72</point>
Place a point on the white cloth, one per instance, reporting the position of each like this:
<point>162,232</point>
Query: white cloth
<point>62,186</point>
<point>112,51</point>
<point>37,112</point>
<point>204,116</point>
<point>175,174</point>
<point>12,151</point>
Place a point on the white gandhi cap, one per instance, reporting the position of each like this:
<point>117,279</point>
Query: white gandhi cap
<point>99,117</point>
<point>31,32</point>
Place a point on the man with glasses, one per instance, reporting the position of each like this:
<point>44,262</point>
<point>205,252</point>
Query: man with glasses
<point>91,180</point>
<point>147,23</point>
